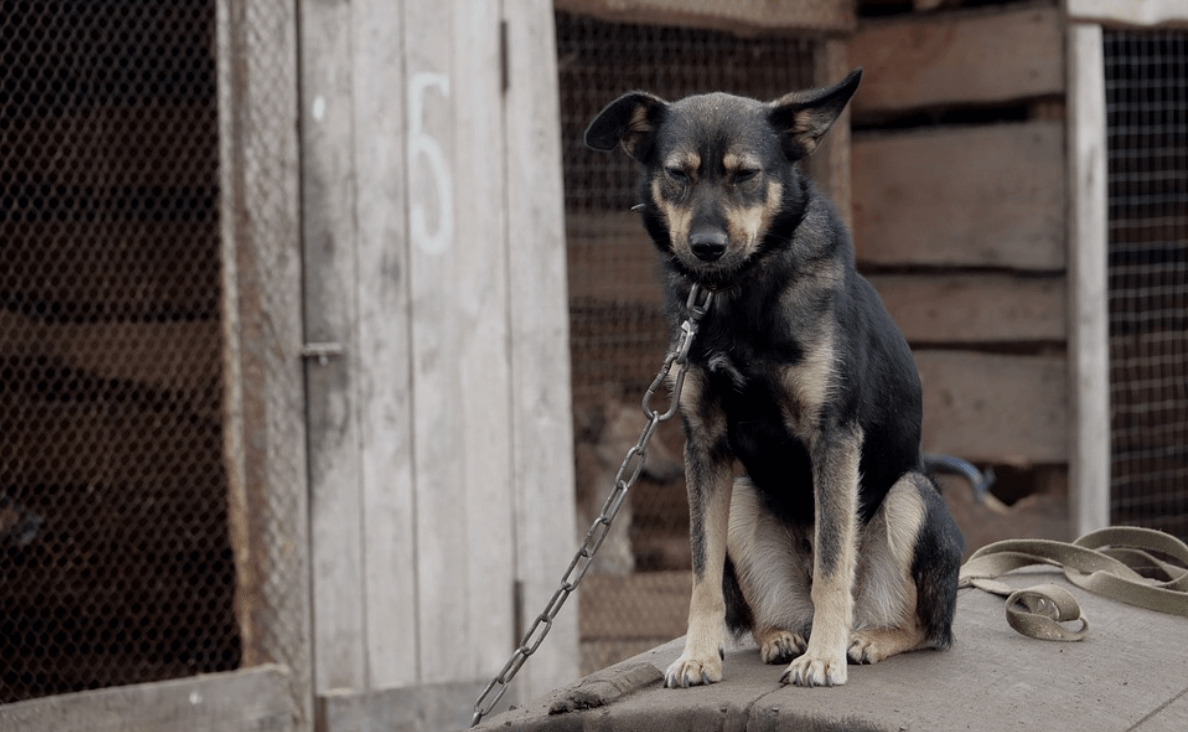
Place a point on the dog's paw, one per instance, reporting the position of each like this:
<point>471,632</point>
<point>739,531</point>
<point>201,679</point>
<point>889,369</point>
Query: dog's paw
<point>691,671</point>
<point>865,648</point>
<point>781,646</point>
<point>816,670</point>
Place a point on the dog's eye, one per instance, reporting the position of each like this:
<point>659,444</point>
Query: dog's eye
<point>677,174</point>
<point>743,175</point>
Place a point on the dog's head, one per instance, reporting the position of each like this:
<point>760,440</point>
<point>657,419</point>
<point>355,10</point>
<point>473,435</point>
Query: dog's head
<point>719,169</point>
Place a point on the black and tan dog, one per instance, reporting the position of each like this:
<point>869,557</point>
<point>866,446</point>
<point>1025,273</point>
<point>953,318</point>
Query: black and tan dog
<point>834,544</point>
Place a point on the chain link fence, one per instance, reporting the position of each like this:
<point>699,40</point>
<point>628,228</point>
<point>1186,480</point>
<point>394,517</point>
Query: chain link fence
<point>115,562</point>
<point>1147,103</point>
<point>637,594</point>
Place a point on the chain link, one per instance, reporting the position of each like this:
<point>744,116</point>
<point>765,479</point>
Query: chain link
<point>697,306</point>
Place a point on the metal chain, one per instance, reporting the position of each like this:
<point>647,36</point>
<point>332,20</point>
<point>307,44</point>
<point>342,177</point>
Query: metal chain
<point>697,306</point>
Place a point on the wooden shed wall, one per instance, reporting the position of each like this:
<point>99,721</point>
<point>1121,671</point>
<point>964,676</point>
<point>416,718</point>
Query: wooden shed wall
<point>959,190</point>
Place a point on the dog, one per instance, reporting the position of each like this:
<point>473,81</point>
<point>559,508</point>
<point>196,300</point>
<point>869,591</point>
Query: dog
<point>832,546</point>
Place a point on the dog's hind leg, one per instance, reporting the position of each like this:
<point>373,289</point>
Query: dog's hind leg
<point>908,558</point>
<point>771,562</point>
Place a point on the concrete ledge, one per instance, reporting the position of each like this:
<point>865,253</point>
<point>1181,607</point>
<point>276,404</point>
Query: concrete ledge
<point>1131,673</point>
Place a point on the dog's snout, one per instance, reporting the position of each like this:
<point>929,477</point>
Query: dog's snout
<point>708,246</point>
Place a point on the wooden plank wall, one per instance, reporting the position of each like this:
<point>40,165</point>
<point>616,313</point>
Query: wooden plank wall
<point>440,447</point>
<point>959,190</point>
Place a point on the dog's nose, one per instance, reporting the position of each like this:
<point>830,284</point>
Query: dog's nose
<point>708,246</point>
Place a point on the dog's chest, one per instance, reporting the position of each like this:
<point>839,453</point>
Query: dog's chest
<point>780,397</point>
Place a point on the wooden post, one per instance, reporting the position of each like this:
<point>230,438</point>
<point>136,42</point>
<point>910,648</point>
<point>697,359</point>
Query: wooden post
<point>1089,436</point>
<point>263,404</point>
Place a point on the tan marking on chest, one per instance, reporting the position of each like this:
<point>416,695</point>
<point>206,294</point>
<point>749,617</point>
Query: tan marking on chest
<point>808,385</point>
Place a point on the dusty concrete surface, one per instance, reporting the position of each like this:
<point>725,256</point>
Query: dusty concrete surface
<point>1131,673</point>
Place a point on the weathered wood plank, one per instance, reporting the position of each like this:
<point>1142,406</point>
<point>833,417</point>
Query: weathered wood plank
<point>329,238</point>
<point>1088,305</point>
<point>975,58</point>
<point>249,700</point>
<point>383,381</point>
<point>1143,13</point>
<point>480,294</point>
<point>418,708</point>
<point>995,408</point>
<point>813,15</point>
<point>975,308</point>
<point>541,402</point>
<point>263,386</point>
<point>977,196</point>
<point>437,260</point>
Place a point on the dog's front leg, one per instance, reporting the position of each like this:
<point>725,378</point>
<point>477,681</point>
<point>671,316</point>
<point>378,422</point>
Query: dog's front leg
<point>836,458</point>
<point>710,481</point>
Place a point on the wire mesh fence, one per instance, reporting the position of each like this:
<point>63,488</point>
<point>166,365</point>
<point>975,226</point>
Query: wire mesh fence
<point>1146,77</point>
<point>115,564</point>
<point>618,336</point>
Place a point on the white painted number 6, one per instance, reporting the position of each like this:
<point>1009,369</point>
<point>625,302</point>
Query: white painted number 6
<point>421,145</point>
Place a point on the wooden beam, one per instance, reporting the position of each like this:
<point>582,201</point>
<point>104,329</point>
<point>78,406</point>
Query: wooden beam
<point>239,701</point>
<point>1089,434</point>
<point>1137,13</point>
<point>263,386</point>
<point>822,16</point>
<point>975,308</point>
<point>965,58</point>
<point>995,408</point>
<point>963,196</point>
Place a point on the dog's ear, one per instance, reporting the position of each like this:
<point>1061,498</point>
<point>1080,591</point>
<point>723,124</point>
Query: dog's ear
<point>630,120</point>
<point>803,118</point>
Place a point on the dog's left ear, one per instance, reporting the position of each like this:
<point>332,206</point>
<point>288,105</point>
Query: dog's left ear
<point>804,117</point>
<point>630,120</point>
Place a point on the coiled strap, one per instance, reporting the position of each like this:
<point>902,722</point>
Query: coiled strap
<point>1106,562</point>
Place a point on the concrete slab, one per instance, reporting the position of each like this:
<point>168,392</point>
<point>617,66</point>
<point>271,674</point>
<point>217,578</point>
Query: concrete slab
<point>1130,673</point>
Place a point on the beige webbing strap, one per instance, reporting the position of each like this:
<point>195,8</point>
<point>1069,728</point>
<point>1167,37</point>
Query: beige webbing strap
<point>1105,562</point>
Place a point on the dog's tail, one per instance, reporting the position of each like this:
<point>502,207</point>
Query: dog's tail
<point>935,566</point>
